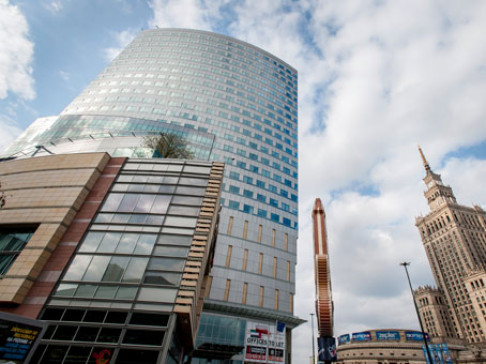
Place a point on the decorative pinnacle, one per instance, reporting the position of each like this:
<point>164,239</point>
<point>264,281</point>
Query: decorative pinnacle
<point>426,164</point>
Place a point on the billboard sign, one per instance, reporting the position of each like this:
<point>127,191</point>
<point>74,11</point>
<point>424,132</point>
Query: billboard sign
<point>18,336</point>
<point>264,344</point>
<point>388,335</point>
<point>326,349</point>
<point>415,336</point>
<point>343,339</point>
<point>361,336</point>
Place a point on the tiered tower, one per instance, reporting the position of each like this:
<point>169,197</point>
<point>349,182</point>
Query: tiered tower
<point>454,237</point>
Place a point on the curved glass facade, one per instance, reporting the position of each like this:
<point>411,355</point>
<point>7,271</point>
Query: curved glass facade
<point>205,83</point>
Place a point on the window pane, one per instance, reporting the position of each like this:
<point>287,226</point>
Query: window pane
<point>86,334</point>
<point>139,318</point>
<point>115,269</point>
<point>106,292</point>
<point>145,244</point>
<point>126,293</point>
<point>144,203</point>
<point>184,210</point>
<point>160,205</point>
<point>191,191</point>
<point>166,264</point>
<point>171,251</point>
<point>109,243</point>
<point>96,269</point>
<point>78,267</point>
<point>163,278</point>
<point>109,335</point>
<point>180,221</point>
<point>135,270</point>
<point>193,181</point>
<point>66,290</point>
<point>128,203</point>
<point>91,242</point>
<point>186,200</point>
<point>153,294</point>
<point>127,356</point>
<point>127,243</point>
<point>112,202</point>
<point>175,240</point>
<point>85,290</point>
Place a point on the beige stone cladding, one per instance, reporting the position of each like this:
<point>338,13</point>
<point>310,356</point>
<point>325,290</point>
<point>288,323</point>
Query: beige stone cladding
<point>42,192</point>
<point>192,290</point>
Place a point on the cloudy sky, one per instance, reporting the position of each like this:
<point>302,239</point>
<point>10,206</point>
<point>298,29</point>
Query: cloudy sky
<point>376,78</point>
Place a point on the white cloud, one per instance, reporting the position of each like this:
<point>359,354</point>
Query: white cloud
<point>54,6</point>
<point>121,39</point>
<point>10,131</point>
<point>16,53</point>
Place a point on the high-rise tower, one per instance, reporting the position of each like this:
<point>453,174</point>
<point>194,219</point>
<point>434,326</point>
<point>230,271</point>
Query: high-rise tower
<point>454,237</point>
<point>232,102</point>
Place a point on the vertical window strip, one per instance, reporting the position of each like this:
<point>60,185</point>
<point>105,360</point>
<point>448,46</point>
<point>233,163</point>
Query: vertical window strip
<point>260,263</point>
<point>286,242</point>
<point>245,259</point>
<point>288,271</point>
<point>208,286</point>
<point>230,225</point>
<point>228,256</point>
<point>245,230</point>
<point>227,290</point>
<point>260,300</point>
<point>245,291</point>
<point>291,302</point>
<point>274,267</point>
<point>260,228</point>
<point>273,237</point>
<point>275,306</point>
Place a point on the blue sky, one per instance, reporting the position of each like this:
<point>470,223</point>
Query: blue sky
<point>376,78</point>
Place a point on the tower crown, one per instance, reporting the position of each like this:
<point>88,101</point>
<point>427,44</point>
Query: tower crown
<point>437,193</point>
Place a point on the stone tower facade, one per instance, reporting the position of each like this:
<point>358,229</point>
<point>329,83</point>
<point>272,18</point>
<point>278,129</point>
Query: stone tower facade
<point>454,237</point>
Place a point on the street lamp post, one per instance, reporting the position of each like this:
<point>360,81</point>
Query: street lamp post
<point>405,264</point>
<point>313,347</point>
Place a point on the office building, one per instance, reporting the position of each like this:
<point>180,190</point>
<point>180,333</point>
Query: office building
<point>454,238</point>
<point>112,254</point>
<point>233,103</point>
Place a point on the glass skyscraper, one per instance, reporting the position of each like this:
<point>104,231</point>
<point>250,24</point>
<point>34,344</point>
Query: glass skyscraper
<point>232,102</point>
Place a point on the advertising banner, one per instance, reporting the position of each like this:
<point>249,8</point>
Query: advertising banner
<point>415,336</point>
<point>446,353</point>
<point>388,335</point>
<point>326,349</point>
<point>361,336</point>
<point>264,344</point>
<point>17,337</point>
<point>438,354</point>
<point>343,339</point>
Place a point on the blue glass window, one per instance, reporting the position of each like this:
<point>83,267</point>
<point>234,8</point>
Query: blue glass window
<point>248,193</point>
<point>261,198</point>
<point>248,209</point>
<point>234,189</point>
<point>272,188</point>
<point>294,198</point>
<point>253,156</point>
<point>234,175</point>
<point>235,205</point>
<point>274,217</point>
<point>284,193</point>
<point>286,222</point>
<point>273,202</point>
<point>248,180</point>
<point>253,168</point>
<point>262,213</point>
<point>285,206</point>
<point>260,184</point>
